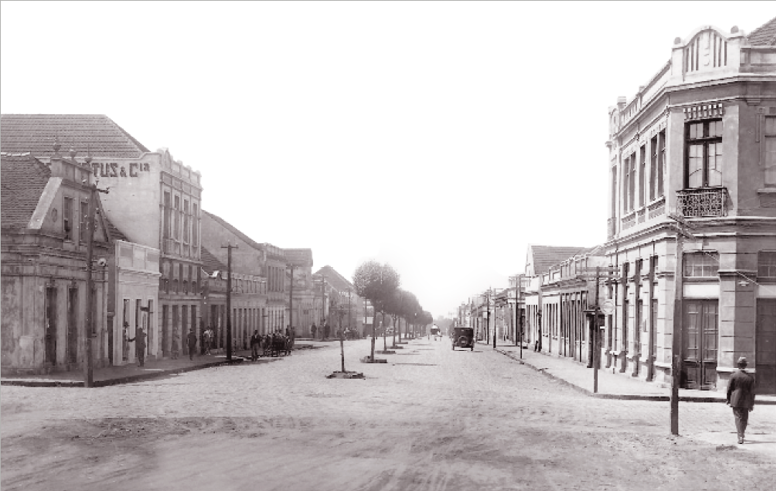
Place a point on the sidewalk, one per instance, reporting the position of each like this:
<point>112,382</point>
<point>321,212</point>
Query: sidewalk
<point>106,376</point>
<point>610,385</point>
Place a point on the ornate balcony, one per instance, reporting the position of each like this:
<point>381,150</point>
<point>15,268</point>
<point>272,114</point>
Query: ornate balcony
<point>703,202</point>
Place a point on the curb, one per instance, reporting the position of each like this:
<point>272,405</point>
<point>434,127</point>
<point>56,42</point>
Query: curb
<point>624,397</point>
<point>117,381</point>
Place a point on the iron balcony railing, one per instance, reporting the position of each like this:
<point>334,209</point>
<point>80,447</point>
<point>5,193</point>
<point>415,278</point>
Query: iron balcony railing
<point>702,202</point>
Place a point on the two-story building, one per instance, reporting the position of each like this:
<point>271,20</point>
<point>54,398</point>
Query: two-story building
<point>697,143</point>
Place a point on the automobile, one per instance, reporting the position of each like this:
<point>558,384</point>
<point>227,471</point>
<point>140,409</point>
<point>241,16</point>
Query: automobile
<point>462,337</point>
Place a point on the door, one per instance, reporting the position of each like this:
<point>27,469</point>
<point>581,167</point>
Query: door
<point>51,325</point>
<point>700,344</point>
<point>72,325</point>
<point>165,332</point>
<point>765,345</point>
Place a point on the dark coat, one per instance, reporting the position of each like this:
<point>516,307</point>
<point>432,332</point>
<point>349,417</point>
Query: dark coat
<point>740,392</point>
<point>192,339</point>
<point>140,340</point>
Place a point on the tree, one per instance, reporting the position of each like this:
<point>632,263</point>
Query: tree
<point>376,282</point>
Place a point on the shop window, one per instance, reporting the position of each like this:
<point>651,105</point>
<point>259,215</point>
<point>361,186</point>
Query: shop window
<point>703,154</point>
<point>766,264</point>
<point>703,264</point>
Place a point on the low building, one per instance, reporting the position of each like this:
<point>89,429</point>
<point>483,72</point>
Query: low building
<point>44,270</point>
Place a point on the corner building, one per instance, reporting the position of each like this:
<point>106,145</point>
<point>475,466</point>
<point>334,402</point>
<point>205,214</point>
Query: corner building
<point>698,141</point>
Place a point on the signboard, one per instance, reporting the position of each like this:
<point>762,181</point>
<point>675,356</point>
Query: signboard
<point>607,307</point>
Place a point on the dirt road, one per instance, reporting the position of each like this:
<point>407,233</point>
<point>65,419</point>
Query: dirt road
<point>430,419</point>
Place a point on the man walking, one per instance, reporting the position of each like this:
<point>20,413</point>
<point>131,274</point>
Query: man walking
<point>192,337</point>
<point>740,396</point>
<point>140,346</point>
<point>208,336</point>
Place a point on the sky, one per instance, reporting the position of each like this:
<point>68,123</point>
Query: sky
<point>439,137</point>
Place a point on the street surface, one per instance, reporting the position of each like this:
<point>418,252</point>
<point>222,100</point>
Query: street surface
<point>429,419</point>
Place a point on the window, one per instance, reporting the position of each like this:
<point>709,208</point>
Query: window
<point>194,225</point>
<point>770,150</point>
<point>632,183</point>
<point>67,219</point>
<point>701,264</point>
<point>83,237</point>
<point>653,151</point>
<point>186,221</point>
<point>642,174</point>
<point>703,154</point>
<point>625,181</point>
<point>661,161</point>
<point>766,264</point>
<point>166,225</point>
<point>176,232</point>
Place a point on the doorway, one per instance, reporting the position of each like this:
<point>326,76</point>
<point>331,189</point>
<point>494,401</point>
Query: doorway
<point>765,344</point>
<point>699,351</point>
<point>72,326</point>
<point>51,325</point>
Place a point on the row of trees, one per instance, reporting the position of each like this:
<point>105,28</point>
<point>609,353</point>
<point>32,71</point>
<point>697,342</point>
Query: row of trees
<point>380,284</point>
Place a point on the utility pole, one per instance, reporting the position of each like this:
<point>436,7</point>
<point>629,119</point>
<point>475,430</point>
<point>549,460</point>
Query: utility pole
<point>89,333</point>
<point>291,303</point>
<point>519,313</point>
<point>229,247</point>
<point>676,342</point>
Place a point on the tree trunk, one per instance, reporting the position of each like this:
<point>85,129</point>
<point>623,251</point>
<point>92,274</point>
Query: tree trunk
<point>385,342</point>
<point>342,350</point>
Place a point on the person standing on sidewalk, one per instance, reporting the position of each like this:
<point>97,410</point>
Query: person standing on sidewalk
<point>192,337</point>
<point>312,330</point>
<point>140,346</point>
<point>255,344</point>
<point>208,337</point>
<point>740,396</point>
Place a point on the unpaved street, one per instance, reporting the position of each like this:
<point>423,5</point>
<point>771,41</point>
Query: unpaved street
<point>430,419</point>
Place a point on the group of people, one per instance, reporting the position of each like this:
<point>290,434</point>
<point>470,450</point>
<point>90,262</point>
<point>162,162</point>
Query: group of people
<point>261,342</point>
<point>140,343</point>
<point>325,332</point>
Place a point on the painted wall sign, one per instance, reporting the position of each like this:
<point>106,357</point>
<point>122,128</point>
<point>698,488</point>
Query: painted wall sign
<point>113,169</point>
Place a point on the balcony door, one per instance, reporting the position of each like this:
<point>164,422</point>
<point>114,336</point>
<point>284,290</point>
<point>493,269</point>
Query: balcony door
<point>700,339</point>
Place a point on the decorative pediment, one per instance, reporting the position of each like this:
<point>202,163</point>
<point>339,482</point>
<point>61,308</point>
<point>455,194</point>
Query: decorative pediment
<point>706,49</point>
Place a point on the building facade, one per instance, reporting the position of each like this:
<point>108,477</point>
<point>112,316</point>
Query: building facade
<point>44,265</point>
<point>696,147</point>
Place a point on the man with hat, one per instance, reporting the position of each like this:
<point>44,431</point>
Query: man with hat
<point>740,396</point>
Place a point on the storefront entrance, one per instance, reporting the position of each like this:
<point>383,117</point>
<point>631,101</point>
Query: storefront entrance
<point>765,343</point>
<point>699,350</point>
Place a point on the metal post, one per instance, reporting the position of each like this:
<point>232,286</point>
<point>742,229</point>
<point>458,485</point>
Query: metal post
<point>595,333</point>
<point>229,248</point>
<point>89,328</point>
<point>676,345</point>
<point>291,303</point>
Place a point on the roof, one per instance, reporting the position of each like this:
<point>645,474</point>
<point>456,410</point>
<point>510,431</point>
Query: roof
<point>336,280</point>
<point>210,263</point>
<point>23,178</point>
<point>542,257</point>
<point>35,133</point>
<point>235,231</point>
<point>299,257</point>
<point>765,35</point>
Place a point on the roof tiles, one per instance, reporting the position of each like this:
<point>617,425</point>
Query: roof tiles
<point>765,35</point>
<point>23,179</point>
<point>35,133</point>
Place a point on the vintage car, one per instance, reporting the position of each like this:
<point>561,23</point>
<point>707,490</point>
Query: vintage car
<point>462,337</point>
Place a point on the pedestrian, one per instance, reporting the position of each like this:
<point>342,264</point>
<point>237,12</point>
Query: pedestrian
<point>740,396</point>
<point>208,340</point>
<point>326,331</point>
<point>125,346</point>
<point>140,346</point>
<point>192,337</point>
<point>313,329</point>
<point>255,344</point>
